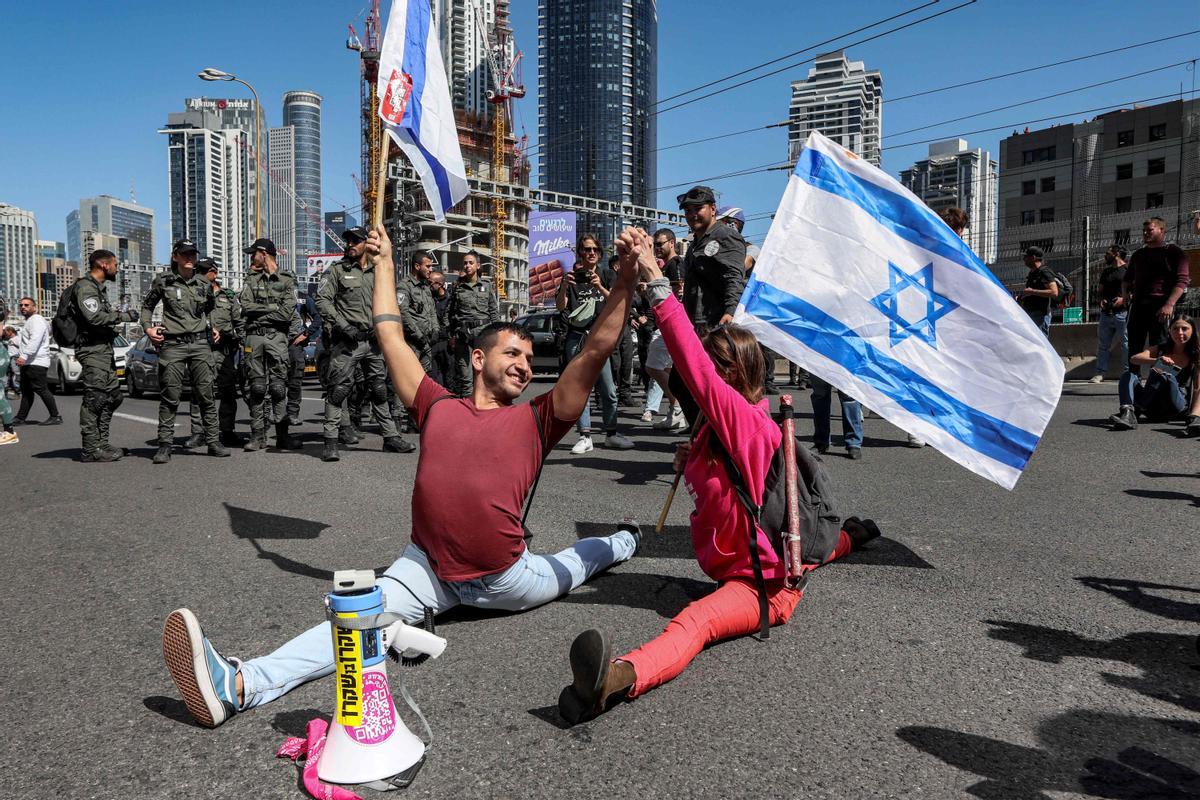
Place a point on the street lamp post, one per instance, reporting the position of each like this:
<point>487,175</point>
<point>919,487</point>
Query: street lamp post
<point>212,74</point>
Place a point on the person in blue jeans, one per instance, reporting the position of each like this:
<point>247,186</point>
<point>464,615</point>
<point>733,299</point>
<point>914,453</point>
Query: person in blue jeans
<point>852,419</point>
<point>468,545</point>
<point>1113,313</point>
<point>1169,390</point>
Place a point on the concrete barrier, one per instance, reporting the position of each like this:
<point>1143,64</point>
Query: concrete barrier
<point>1076,344</point>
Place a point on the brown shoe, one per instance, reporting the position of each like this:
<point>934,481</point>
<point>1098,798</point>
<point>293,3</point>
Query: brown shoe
<point>597,679</point>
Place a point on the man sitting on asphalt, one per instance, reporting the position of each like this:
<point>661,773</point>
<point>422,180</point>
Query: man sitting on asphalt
<point>468,543</point>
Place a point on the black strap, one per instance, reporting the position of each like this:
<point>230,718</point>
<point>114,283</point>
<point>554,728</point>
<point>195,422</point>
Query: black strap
<point>755,512</point>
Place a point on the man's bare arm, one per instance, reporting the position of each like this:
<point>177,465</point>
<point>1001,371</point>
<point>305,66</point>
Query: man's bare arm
<point>402,363</point>
<point>580,374</point>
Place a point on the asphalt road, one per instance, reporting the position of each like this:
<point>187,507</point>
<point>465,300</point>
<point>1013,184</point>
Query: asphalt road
<point>1039,643</point>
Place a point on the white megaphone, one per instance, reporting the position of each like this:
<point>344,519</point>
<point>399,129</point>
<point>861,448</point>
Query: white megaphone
<point>368,743</point>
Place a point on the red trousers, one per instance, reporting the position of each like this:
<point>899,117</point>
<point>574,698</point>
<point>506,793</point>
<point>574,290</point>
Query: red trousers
<point>729,612</point>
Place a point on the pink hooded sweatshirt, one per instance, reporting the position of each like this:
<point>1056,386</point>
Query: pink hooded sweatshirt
<point>720,534</point>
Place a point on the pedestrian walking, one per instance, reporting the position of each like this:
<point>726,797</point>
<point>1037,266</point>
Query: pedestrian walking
<point>1040,290</point>
<point>95,319</point>
<point>344,302</point>
<point>184,353</point>
<point>33,359</point>
<point>1114,314</point>
<point>473,306</point>
<point>268,300</point>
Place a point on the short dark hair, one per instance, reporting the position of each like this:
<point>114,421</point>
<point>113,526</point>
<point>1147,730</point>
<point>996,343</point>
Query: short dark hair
<point>473,252</point>
<point>955,217</point>
<point>27,297</point>
<point>667,232</point>
<point>486,338</point>
<point>418,255</point>
<point>1162,223</point>
<point>613,260</point>
<point>100,255</point>
<point>1120,250</point>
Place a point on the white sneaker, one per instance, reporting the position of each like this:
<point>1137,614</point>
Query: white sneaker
<point>647,416</point>
<point>1097,379</point>
<point>671,421</point>
<point>678,421</point>
<point>8,438</point>
<point>584,445</point>
<point>616,441</point>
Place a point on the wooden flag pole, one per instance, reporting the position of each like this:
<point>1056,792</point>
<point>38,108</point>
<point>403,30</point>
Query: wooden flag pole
<point>380,182</point>
<point>662,517</point>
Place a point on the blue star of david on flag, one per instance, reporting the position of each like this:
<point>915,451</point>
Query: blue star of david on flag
<point>936,305</point>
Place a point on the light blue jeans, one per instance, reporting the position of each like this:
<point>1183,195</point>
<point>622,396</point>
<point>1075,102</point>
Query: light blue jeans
<point>654,396</point>
<point>604,383</point>
<point>409,586</point>
<point>1108,326</point>
<point>852,417</point>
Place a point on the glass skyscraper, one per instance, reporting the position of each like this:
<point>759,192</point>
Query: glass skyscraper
<point>302,112</point>
<point>597,86</point>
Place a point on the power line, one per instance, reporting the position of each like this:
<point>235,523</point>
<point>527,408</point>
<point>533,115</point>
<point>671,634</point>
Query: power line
<point>875,24</point>
<point>1022,71</point>
<point>808,60</point>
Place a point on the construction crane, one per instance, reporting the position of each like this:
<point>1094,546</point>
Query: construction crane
<point>372,130</point>
<point>506,82</point>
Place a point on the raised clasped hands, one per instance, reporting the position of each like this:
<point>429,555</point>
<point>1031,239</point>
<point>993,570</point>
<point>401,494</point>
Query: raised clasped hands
<point>379,246</point>
<point>635,248</point>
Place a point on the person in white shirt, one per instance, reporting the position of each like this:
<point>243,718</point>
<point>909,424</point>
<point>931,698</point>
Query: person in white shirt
<point>33,359</point>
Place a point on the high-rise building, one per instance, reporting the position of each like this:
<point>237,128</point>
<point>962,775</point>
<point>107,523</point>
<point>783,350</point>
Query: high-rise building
<point>108,215</point>
<point>56,273</point>
<point>73,236</point>
<point>464,50</point>
<point>207,168</point>
<point>841,99</point>
<point>127,251</point>
<point>18,254</point>
<point>239,114</point>
<point>281,227</point>
<point>337,221</point>
<point>597,86</point>
<point>1075,189</point>
<point>302,113</point>
<point>955,175</point>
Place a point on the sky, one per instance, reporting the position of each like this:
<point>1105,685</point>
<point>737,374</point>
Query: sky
<point>87,85</point>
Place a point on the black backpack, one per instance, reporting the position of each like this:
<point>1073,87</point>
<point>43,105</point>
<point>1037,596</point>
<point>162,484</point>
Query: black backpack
<point>820,521</point>
<point>64,327</point>
<point>1065,289</point>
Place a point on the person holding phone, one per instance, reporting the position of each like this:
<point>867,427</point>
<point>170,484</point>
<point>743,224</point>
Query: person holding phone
<point>1169,390</point>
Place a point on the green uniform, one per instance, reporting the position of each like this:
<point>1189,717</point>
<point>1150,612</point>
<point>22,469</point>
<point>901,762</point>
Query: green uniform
<point>185,355</point>
<point>268,302</point>
<point>344,302</point>
<point>94,319</point>
<point>420,317</point>
<point>473,306</point>
<point>226,317</point>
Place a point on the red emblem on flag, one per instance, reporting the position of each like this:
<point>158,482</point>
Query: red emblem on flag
<point>395,98</point>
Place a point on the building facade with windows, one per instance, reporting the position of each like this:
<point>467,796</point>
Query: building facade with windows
<point>302,113</point>
<point>207,167</point>
<point>337,221</point>
<point>108,215</point>
<point>841,99</point>
<point>1075,189</point>
<point>18,254</point>
<point>597,88</point>
<point>956,175</point>
<point>240,115</point>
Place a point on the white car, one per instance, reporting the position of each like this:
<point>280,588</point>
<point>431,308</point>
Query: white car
<point>66,373</point>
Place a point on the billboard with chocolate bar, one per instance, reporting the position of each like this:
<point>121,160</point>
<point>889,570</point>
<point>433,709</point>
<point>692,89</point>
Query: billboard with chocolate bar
<point>551,252</point>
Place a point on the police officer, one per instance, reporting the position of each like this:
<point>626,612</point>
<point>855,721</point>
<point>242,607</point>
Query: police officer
<point>473,306</point>
<point>715,265</point>
<point>416,307</point>
<point>183,346</point>
<point>94,320</point>
<point>304,328</point>
<point>226,319</point>
<point>344,302</point>
<point>268,302</point>
<point>441,352</point>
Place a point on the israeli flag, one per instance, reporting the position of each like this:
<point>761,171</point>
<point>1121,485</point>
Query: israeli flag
<point>863,285</point>
<point>414,103</point>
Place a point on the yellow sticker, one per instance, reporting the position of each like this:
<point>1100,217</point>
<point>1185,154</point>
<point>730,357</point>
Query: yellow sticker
<point>347,656</point>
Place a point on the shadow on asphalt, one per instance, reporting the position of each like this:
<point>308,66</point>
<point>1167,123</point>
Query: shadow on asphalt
<point>631,473</point>
<point>1138,594</point>
<point>1092,423</point>
<point>1167,661</point>
<point>1103,754</point>
<point>295,723</point>
<point>674,542</point>
<point>885,552</point>
<point>663,594</point>
<point>1151,474</point>
<point>69,454</point>
<point>550,714</point>
<point>170,707</point>
<point>255,525</point>
<point>1159,494</point>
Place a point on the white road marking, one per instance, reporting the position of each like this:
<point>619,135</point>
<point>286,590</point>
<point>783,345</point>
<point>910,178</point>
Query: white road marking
<point>136,418</point>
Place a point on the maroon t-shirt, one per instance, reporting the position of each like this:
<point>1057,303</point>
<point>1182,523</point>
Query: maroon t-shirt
<point>475,470</point>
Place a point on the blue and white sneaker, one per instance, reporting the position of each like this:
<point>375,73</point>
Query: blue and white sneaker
<point>204,677</point>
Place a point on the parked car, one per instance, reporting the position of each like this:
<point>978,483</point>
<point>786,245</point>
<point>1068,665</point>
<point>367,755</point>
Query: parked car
<point>65,374</point>
<point>141,368</point>
<point>547,347</point>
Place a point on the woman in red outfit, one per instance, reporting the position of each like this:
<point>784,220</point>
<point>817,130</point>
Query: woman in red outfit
<point>724,373</point>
